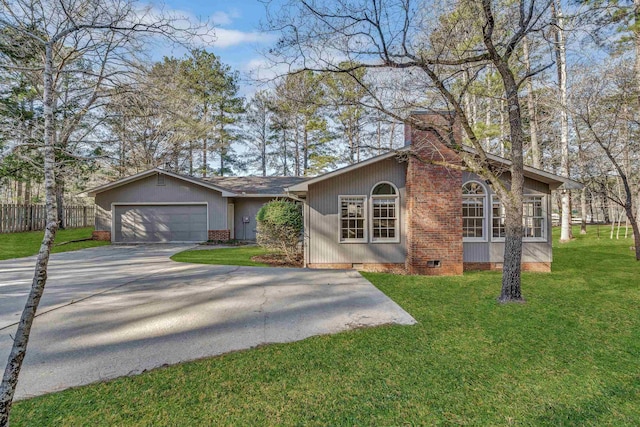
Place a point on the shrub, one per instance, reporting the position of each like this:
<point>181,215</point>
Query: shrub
<point>279,228</point>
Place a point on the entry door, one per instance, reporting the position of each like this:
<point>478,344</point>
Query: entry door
<point>231,220</point>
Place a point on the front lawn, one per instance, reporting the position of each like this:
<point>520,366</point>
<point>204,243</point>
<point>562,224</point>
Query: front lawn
<point>569,356</point>
<point>17,245</point>
<point>223,256</point>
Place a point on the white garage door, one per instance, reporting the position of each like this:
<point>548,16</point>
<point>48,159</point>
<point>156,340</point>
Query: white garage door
<point>160,223</point>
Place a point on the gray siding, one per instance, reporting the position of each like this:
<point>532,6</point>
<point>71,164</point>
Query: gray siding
<point>175,190</point>
<point>248,208</point>
<point>323,237</point>
<point>493,251</point>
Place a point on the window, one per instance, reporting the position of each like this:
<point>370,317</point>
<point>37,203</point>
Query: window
<point>384,213</point>
<point>533,218</point>
<point>473,210</point>
<point>498,216</point>
<point>353,219</point>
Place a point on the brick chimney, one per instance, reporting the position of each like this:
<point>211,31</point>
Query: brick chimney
<point>434,196</point>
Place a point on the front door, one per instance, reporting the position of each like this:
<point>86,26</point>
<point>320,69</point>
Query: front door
<point>231,220</point>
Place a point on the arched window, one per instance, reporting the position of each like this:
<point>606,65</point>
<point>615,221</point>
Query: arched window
<point>473,211</point>
<point>385,213</point>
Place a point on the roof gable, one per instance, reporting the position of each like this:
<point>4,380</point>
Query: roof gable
<point>127,180</point>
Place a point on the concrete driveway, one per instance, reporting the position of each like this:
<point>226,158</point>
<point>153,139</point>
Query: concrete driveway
<point>120,310</point>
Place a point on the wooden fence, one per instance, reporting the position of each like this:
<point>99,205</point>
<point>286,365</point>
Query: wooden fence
<point>16,218</point>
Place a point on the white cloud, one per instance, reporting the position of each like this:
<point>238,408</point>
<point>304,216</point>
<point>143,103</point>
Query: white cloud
<point>225,37</point>
<point>221,18</point>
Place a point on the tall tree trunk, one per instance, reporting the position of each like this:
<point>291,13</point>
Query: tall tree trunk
<point>204,157</point>
<point>503,130</point>
<point>122,157</point>
<point>531,106</point>
<point>583,170</point>
<point>21,337</point>
<point>264,137</point>
<point>223,147</point>
<point>297,148</point>
<point>486,142</point>
<point>285,154</point>
<point>205,148</point>
<point>19,198</point>
<point>636,68</point>
<point>60,203</point>
<point>305,149</point>
<point>27,192</point>
<point>379,136</point>
<point>583,205</point>
<point>392,135</point>
<point>560,50</point>
<point>511,274</point>
<point>636,40</point>
<point>512,200</point>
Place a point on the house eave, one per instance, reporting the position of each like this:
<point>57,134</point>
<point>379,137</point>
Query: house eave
<point>254,195</point>
<point>554,181</point>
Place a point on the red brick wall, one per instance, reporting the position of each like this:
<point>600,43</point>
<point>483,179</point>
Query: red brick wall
<point>434,200</point>
<point>101,235</point>
<point>219,234</point>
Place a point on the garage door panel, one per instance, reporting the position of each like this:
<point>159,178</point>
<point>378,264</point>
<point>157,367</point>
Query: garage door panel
<point>155,223</point>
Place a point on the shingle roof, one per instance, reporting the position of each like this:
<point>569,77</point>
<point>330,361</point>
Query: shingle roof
<point>268,185</point>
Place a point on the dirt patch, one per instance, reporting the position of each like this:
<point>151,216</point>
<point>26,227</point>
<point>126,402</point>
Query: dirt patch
<point>276,260</point>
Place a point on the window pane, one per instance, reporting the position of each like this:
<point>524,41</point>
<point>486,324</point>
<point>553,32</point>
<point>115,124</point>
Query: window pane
<point>384,216</point>
<point>352,214</point>
<point>472,188</point>
<point>383,189</point>
<point>473,212</point>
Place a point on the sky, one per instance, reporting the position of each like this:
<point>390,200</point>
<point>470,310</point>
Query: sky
<point>238,38</point>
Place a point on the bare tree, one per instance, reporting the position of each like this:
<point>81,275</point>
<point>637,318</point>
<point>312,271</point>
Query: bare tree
<point>92,27</point>
<point>561,63</point>
<point>423,49</point>
<point>536,157</point>
<point>605,109</point>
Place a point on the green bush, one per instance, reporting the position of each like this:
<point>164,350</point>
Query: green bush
<point>279,228</point>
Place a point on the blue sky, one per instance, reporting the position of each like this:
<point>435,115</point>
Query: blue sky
<point>238,38</point>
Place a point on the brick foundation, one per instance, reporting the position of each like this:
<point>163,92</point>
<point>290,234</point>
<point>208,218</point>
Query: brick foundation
<point>434,198</point>
<point>540,267</point>
<point>371,267</point>
<point>219,234</point>
<point>101,235</point>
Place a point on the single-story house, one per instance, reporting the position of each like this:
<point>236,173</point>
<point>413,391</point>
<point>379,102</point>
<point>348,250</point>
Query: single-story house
<point>394,212</point>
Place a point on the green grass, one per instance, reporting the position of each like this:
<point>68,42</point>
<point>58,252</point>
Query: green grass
<point>223,256</point>
<point>17,245</point>
<point>569,356</point>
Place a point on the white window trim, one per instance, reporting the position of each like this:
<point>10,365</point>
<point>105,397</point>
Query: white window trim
<point>365,239</point>
<point>397,209</point>
<point>543,203</point>
<point>524,239</point>
<point>485,218</point>
<point>490,212</point>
